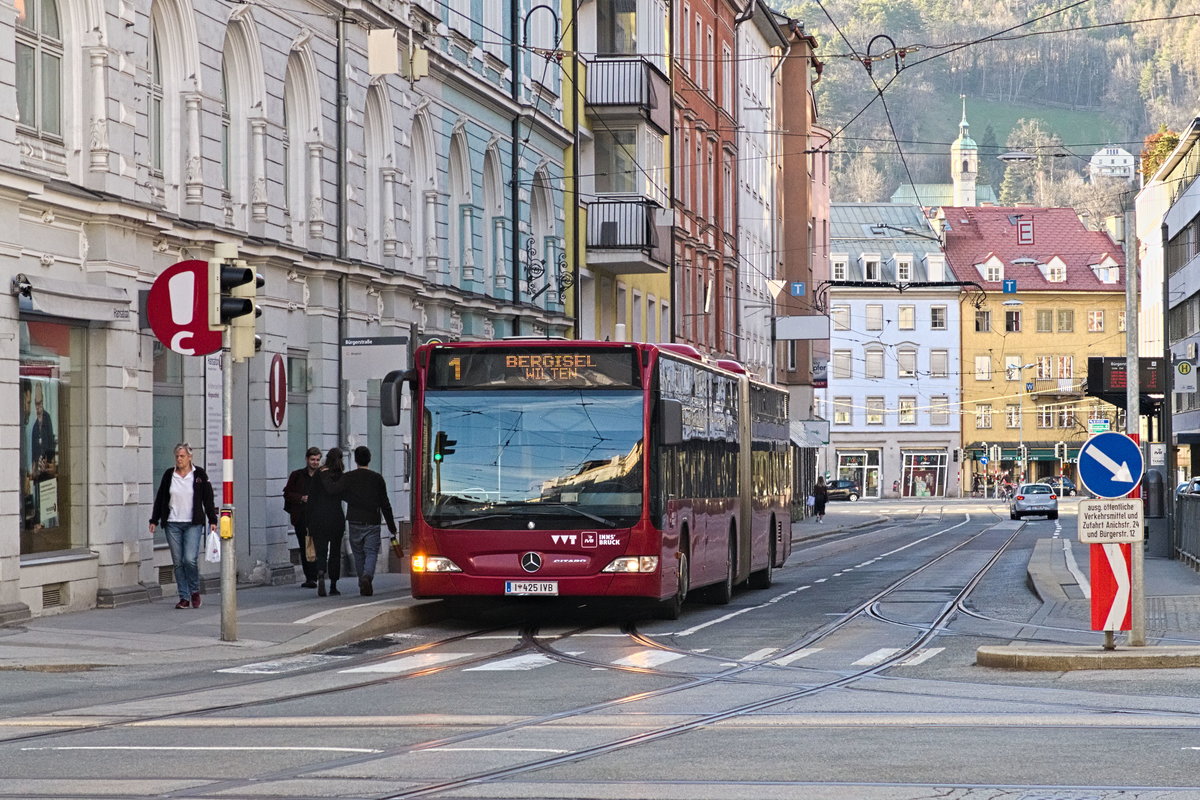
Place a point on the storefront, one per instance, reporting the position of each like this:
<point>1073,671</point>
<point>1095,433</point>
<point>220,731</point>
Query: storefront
<point>862,467</point>
<point>923,473</point>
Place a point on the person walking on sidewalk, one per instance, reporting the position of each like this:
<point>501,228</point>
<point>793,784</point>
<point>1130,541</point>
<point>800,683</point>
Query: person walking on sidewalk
<point>366,499</point>
<point>295,503</point>
<point>820,498</point>
<point>327,521</point>
<point>183,503</point>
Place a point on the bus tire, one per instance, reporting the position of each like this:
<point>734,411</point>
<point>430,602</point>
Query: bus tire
<point>672,607</point>
<point>765,576</point>
<point>721,593</point>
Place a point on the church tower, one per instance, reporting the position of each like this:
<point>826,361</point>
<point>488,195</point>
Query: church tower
<point>964,162</point>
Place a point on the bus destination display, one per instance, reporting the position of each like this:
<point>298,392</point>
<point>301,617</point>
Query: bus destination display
<point>494,367</point>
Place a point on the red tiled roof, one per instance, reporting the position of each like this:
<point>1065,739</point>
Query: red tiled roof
<point>977,233</point>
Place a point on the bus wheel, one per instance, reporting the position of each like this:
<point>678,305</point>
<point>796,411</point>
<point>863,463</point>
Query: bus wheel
<point>722,593</point>
<point>765,576</point>
<point>672,607</point>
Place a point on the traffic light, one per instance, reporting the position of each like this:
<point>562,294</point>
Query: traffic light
<point>443,446</point>
<point>232,301</point>
<point>243,343</point>
<point>1060,451</point>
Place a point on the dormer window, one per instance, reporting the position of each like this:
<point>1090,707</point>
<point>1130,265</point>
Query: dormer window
<point>903,270</point>
<point>993,272</point>
<point>839,269</point>
<point>871,270</point>
<point>1056,272</point>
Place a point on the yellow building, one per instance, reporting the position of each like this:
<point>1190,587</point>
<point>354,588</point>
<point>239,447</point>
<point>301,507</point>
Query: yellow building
<point>1041,294</point>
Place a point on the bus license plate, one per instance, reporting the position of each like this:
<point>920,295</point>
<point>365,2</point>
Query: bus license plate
<point>531,587</point>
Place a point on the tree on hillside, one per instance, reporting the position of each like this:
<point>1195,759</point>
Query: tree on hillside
<point>862,181</point>
<point>988,150</point>
<point>1156,148</point>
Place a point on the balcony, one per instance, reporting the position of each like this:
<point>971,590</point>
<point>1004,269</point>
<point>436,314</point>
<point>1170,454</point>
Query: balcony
<point>625,237</point>
<point>1059,387</point>
<point>622,86</point>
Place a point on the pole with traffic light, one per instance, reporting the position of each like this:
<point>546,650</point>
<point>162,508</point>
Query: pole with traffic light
<point>233,311</point>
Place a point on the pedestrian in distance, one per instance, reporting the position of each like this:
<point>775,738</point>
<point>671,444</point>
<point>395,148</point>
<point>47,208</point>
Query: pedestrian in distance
<point>295,503</point>
<point>820,498</point>
<point>366,498</point>
<point>183,504</point>
<point>327,521</point>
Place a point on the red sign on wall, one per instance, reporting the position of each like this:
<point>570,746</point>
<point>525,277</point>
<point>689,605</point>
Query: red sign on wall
<point>277,391</point>
<point>177,309</point>
<point>1025,231</point>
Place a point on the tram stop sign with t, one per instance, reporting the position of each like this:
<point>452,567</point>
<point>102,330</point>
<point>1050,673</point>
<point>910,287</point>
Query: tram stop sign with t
<point>1110,464</point>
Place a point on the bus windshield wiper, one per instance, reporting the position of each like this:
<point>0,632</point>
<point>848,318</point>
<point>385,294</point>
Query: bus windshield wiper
<point>517,510</point>
<point>593,517</point>
<point>457,523</point>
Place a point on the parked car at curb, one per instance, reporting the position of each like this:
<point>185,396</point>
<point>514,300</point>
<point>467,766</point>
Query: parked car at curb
<point>1033,499</point>
<point>1064,487</point>
<point>844,490</point>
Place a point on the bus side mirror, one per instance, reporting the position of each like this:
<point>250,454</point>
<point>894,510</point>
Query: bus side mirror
<point>670,427</point>
<point>390,392</point>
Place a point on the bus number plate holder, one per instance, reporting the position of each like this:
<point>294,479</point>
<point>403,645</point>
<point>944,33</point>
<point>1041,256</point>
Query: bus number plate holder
<point>531,587</point>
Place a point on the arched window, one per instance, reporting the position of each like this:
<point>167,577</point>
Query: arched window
<point>541,221</point>
<point>380,216</point>
<point>39,73</point>
<point>422,230</point>
<point>462,257</point>
<point>494,221</point>
<point>966,166</point>
<point>301,149</point>
<point>154,89</point>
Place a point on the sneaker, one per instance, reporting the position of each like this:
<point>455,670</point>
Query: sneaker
<point>195,599</point>
<point>184,604</point>
<point>364,586</point>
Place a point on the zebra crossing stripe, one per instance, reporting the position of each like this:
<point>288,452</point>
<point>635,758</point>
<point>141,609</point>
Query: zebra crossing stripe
<point>411,663</point>
<point>921,656</point>
<point>648,658</point>
<point>517,663</point>
<point>783,661</point>
<point>878,657</point>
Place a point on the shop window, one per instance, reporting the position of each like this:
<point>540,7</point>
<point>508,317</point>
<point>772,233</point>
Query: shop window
<point>54,423</point>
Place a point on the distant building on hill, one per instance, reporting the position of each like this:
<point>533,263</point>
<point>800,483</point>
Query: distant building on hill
<point>1112,162</point>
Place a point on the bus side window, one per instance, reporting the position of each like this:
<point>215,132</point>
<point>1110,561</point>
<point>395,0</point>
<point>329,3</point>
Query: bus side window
<point>671,422</point>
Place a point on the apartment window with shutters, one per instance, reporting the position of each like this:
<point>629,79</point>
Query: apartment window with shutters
<point>842,411</point>
<point>939,411</point>
<point>1045,368</point>
<point>907,359</point>
<point>874,318</point>
<point>875,410</point>
<point>983,368</point>
<point>1045,321</point>
<point>1096,321</point>
<point>1012,415</point>
<point>937,318</point>
<point>841,364</point>
<point>939,363</point>
<point>1012,321</point>
<point>840,315</point>
<point>908,411</point>
<point>983,321</point>
<point>1066,366</point>
<point>727,70</point>
<point>1066,320</point>
<point>983,415</point>
<point>907,319</point>
<point>874,367</point>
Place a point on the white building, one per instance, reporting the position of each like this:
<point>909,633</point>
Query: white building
<point>893,395</point>
<point>1112,162</point>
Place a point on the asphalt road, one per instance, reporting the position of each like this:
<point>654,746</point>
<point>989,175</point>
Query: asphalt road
<point>853,677</point>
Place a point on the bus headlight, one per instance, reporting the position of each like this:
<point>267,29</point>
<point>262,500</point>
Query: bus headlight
<point>434,564</point>
<point>633,564</point>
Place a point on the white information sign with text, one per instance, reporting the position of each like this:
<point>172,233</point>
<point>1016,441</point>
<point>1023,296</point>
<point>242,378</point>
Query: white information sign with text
<point>1110,521</point>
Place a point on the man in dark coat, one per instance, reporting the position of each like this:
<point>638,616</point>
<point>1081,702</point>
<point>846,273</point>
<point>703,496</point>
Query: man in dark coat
<point>366,499</point>
<point>295,503</point>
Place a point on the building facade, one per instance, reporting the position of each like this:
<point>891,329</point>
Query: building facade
<point>1041,294</point>
<point>138,136</point>
<point>893,390</point>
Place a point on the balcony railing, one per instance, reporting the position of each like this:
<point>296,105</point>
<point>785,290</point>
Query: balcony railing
<point>630,82</point>
<point>628,225</point>
<point>1058,386</point>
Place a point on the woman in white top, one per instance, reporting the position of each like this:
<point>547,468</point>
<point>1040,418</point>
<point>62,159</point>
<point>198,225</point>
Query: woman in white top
<point>184,502</point>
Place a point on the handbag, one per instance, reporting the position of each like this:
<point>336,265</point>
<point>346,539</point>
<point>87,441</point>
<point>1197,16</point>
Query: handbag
<point>212,548</point>
<point>310,549</point>
<point>811,501</point>
<point>397,548</point>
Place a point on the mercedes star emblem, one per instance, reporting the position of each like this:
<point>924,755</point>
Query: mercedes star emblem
<point>531,562</point>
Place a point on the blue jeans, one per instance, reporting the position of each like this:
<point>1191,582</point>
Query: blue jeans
<point>364,544</point>
<point>185,539</point>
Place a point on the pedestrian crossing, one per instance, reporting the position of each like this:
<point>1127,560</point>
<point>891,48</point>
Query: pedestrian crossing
<point>643,658</point>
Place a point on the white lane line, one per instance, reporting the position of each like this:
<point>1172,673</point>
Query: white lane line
<point>518,663</point>
<point>281,665</point>
<point>411,663</point>
<point>647,658</point>
<point>246,749</point>
<point>759,655</point>
<point>1085,585</point>
<point>921,656</point>
<point>878,657</point>
<point>783,661</point>
<point>337,610</point>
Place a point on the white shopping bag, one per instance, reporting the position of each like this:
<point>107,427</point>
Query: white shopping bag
<point>212,548</point>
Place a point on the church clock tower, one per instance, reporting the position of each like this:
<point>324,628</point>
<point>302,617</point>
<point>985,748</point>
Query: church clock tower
<point>964,162</point>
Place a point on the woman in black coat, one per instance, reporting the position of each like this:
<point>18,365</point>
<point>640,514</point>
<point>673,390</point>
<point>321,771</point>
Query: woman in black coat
<point>327,521</point>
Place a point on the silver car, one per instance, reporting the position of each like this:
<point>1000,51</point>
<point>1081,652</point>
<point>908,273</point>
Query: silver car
<point>1033,499</point>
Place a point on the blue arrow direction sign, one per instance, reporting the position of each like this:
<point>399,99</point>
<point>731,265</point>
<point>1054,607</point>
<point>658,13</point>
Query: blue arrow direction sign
<point>1110,464</point>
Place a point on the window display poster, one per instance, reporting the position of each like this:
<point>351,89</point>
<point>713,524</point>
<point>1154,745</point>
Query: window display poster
<point>39,445</point>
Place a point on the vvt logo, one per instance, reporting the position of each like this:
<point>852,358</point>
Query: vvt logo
<point>563,538</point>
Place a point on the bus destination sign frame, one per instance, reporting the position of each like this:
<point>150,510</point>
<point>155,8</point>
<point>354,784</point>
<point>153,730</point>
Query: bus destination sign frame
<point>494,368</point>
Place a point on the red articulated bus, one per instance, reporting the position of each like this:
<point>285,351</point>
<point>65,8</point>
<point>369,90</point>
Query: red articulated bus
<point>597,469</point>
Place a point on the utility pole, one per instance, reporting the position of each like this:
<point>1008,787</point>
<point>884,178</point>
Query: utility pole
<point>1133,418</point>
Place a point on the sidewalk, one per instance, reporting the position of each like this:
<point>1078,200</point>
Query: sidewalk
<point>272,621</point>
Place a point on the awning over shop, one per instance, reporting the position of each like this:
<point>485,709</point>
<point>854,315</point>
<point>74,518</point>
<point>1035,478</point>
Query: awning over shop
<point>71,299</point>
<point>810,432</point>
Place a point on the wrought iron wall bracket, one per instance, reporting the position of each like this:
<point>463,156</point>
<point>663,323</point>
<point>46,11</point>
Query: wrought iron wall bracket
<point>976,293</point>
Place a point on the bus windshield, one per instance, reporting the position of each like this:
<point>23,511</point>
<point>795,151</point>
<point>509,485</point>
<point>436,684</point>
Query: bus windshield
<point>512,459</point>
